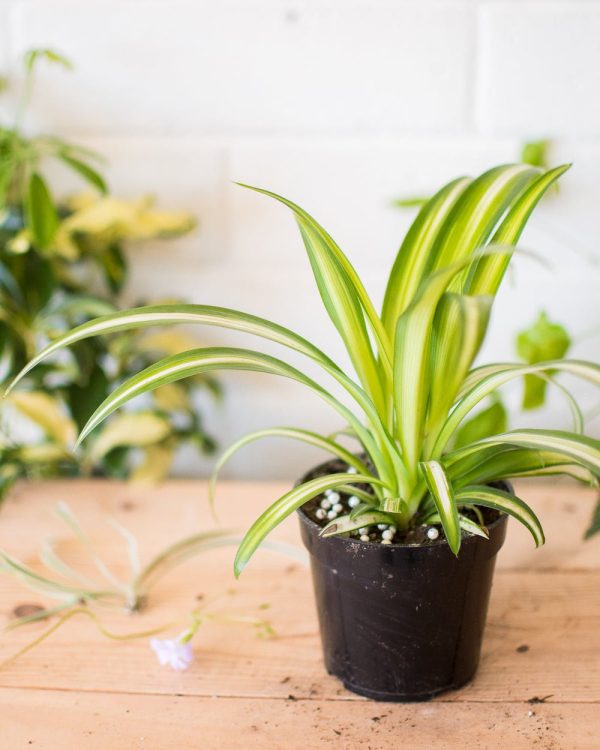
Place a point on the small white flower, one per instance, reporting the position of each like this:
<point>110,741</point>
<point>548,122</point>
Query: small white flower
<point>173,653</point>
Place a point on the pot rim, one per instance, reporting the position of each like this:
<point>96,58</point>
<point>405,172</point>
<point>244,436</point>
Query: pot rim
<point>441,541</point>
<point>471,538</point>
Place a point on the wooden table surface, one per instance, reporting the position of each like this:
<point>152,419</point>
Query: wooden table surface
<point>79,690</point>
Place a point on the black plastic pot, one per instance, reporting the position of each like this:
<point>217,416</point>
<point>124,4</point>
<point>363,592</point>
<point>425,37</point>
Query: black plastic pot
<point>401,622</point>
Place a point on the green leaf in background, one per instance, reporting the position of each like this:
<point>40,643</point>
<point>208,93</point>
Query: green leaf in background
<point>88,173</point>
<point>42,218</point>
<point>84,397</point>
<point>47,412</point>
<point>155,465</point>
<point>536,153</point>
<point>413,201</point>
<point>139,429</point>
<point>33,55</point>
<point>114,265</point>
<point>594,527</point>
<point>542,341</point>
<point>489,421</point>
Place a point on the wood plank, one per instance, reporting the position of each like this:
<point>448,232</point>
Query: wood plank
<point>47,720</point>
<point>178,507</point>
<point>551,610</point>
<point>555,615</point>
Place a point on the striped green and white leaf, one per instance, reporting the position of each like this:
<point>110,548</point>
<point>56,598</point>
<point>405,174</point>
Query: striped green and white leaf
<point>507,462</point>
<point>579,449</point>
<point>505,502</point>
<point>442,494</point>
<point>465,524</point>
<point>345,299</point>
<point>305,436</point>
<point>494,377</point>
<point>346,524</point>
<point>287,504</point>
<point>459,328</point>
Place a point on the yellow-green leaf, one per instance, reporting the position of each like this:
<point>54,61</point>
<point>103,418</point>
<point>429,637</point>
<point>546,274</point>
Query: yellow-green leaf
<point>138,429</point>
<point>47,412</point>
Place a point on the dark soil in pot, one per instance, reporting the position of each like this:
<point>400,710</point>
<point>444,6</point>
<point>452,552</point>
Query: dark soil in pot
<point>401,618</point>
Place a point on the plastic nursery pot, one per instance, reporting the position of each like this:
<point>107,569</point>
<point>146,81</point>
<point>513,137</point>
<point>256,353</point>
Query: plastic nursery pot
<point>401,622</point>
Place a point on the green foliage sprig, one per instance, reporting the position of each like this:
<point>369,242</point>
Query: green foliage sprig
<point>62,262</point>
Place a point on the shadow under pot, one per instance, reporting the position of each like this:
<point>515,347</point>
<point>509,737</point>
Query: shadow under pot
<point>401,622</point>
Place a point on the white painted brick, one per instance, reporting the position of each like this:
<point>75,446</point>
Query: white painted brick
<point>252,67</point>
<point>539,68</point>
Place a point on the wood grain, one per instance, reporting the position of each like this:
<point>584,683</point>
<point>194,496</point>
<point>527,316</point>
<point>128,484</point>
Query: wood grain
<point>542,639</point>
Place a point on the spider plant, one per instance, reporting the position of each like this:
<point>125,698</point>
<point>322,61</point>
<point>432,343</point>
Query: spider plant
<point>414,382</point>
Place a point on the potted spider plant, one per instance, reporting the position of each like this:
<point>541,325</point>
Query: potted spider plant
<point>403,532</point>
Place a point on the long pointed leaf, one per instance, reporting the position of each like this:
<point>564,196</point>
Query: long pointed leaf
<point>285,505</point>
<point>312,438</point>
<point>578,449</point>
<point>459,327</point>
<point>485,276</point>
<point>344,297</point>
<point>505,502</point>
<point>507,462</point>
<point>494,377</point>
<point>441,492</point>
<point>346,524</point>
<point>478,210</point>
<point>196,361</point>
<point>411,262</point>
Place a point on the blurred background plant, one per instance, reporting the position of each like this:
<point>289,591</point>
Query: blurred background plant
<point>62,262</point>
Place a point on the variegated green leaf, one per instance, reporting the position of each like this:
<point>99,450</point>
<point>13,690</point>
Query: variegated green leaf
<point>465,524</point>
<point>505,502</point>
<point>575,448</point>
<point>459,327</point>
<point>494,377</point>
<point>346,524</point>
<point>285,505</point>
<point>485,276</point>
<point>345,299</point>
<point>441,492</point>
<point>414,256</point>
<point>305,436</point>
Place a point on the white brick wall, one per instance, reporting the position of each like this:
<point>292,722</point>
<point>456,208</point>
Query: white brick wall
<point>341,105</point>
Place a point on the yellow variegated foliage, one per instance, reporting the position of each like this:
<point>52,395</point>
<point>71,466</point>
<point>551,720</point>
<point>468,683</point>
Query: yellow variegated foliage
<point>43,453</point>
<point>155,466</point>
<point>139,429</point>
<point>169,342</point>
<point>112,219</point>
<point>171,397</point>
<point>48,413</point>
